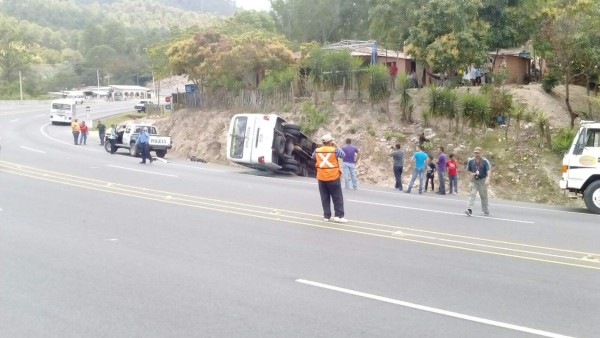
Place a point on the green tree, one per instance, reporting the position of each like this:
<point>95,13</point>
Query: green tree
<point>566,30</point>
<point>449,34</point>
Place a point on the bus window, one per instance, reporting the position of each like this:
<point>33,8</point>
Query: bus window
<point>238,137</point>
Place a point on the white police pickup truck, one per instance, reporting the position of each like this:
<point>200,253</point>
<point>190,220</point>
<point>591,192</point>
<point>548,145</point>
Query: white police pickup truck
<point>128,134</point>
<point>581,166</point>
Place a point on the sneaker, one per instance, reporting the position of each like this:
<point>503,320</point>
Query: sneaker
<point>469,212</point>
<point>407,191</point>
<point>486,213</point>
<point>340,220</point>
<point>325,219</point>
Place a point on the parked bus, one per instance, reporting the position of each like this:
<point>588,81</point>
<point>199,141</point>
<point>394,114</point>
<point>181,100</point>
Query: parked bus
<point>268,142</point>
<point>63,111</point>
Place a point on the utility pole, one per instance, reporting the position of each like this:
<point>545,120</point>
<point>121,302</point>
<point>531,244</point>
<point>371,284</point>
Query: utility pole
<point>21,85</point>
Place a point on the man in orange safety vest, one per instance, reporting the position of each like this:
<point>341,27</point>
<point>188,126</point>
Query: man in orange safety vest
<point>328,175</point>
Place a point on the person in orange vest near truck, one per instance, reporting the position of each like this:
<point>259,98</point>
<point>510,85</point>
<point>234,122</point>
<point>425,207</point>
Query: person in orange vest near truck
<point>328,175</point>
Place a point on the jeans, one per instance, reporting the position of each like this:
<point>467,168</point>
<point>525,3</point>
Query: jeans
<point>112,142</point>
<point>398,176</point>
<point>332,190</point>
<point>453,183</point>
<point>442,180</point>
<point>478,186</point>
<point>75,137</point>
<point>101,138</point>
<point>417,172</point>
<point>349,173</point>
<point>83,138</point>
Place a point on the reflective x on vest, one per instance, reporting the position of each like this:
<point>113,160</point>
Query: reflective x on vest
<point>324,160</point>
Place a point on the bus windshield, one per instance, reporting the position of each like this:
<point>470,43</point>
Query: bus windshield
<point>238,137</point>
<point>61,106</point>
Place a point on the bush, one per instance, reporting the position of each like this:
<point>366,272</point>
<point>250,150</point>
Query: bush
<point>389,135</point>
<point>313,118</point>
<point>371,131</point>
<point>562,141</point>
<point>550,81</point>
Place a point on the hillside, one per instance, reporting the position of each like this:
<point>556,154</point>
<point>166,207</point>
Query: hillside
<point>523,169</point>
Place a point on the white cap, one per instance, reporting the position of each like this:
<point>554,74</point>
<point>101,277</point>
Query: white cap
<point>327,138</point>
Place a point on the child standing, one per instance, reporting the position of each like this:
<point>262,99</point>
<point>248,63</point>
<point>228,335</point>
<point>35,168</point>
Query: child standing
<point>451,168</point>
<point>430,173</point>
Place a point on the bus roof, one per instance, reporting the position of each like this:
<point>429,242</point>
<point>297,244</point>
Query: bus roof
<point>65,101</point>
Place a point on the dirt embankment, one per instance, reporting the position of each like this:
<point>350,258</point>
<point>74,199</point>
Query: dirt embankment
<point>523,169</point>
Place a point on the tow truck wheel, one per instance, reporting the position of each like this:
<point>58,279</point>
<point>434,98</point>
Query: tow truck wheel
<point>591,196</point>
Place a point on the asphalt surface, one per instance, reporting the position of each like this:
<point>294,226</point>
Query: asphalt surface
<point>98,245</point>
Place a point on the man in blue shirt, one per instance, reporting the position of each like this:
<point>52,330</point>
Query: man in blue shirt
<point>349,163</point>
<point>419,158</point>
<point>143,144</point>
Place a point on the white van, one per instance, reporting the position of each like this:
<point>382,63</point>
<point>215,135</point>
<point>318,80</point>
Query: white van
<point>78,97</point>
<point>63,111</point>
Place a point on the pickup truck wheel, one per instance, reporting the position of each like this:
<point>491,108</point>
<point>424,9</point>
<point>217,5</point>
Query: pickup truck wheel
<point>161,153</point>
<point>107,146</point>
<point>591,196</point>
<point>133,150</point>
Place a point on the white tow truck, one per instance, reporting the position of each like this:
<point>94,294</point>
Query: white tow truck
<point>127,135</point>
<point>581,168</point>
<point>268,142</point>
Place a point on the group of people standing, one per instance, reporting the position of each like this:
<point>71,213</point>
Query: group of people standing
<point>329,174</point>
<point>80,132</point>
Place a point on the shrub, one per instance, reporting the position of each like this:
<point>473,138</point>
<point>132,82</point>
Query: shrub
<point>389,135</point>
<point>313,118</point>
<point>379,88</point>
<point>562,141</point>
<point>550,81</point>
<point>371,131</point>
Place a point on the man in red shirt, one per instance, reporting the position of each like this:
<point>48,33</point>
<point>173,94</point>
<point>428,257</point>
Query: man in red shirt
<point>451,168</point>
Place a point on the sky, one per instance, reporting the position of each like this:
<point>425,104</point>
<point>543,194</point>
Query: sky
<point>257,5</point>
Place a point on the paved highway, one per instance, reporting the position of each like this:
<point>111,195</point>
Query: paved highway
<point>98,245</point>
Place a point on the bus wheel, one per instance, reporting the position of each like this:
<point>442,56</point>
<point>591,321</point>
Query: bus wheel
<point>289,167</point>
<point>291,126</point>
<point>591,196</point>
<point>279,145</point>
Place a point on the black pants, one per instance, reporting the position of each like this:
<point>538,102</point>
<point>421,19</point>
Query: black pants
<point>112,142</point>
<point>332,190</point>
<point>429,178</point>
<point>398,176</point>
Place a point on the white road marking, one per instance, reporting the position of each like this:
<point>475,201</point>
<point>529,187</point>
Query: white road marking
<point>434,310</point>
<point>462,214</point>
<point>463,198</point>
<point>143,171</point>
<point>31,149</point>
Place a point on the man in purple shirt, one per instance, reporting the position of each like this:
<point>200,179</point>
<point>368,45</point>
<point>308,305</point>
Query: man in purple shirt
<point>349,163</point>
<point>441,169</point>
